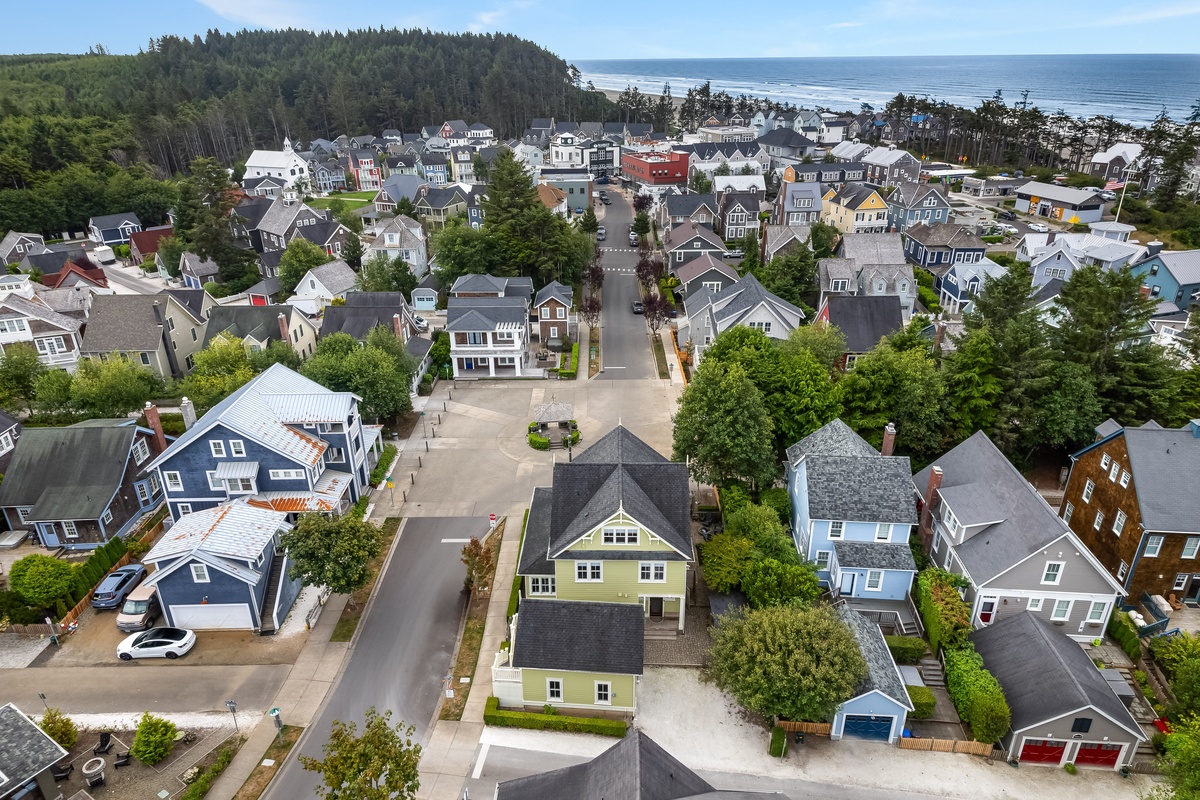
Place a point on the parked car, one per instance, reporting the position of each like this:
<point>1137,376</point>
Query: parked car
<point>602,179</point>
<point>1008,229</point>
<point>156,643</point>
<point>1039,227</point>
<point>140,610</point>
<point>600,235</point>
<point>578,209</point>
<point>1108,194</point>
<point>422,323</point>
<point>734,254</point>
<point>606,201</point>
<point>638,308</point>
<point>633,239</point>
<point>113,590</point>
<point>1006,214</point>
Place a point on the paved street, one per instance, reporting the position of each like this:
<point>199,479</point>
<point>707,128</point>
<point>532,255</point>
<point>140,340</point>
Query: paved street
<point>404,643</point>
<point>625,342</point>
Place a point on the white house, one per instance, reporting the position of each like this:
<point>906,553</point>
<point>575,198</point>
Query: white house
<point>743,303</point>
<point>320,285</point>
<point>402,237</point>
<point>285,164</point>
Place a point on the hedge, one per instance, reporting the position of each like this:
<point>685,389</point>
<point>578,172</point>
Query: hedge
<point>1122,630</point>
<point>538,442</point>
<point>923,702</point>
<point>493,715</point>
<point>385,461</point>
<point>906,649</point>
<point>514,598</point>
<point>569,371</point>
<point>946,616</point>
<point>779,742</point>
<point>733,498</point>
<point>976,694</point>
<point>777,498</point>
<point>992,239</point>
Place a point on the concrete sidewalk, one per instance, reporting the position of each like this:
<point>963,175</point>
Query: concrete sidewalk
<point>298,699</point>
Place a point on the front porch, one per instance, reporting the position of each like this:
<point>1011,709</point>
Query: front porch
<point>894,617</point>
<point>520,365</point>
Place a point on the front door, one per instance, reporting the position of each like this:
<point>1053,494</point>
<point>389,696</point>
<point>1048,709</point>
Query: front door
<point>987,609</point>
<point>1194,589</point>
<point>656,606</point>
<point>846,585</point>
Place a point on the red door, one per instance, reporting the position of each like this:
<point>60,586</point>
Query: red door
<point>1098,754</point>
<point>1043,751</point>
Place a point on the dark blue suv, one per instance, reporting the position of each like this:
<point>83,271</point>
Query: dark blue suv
<point>116,585</point>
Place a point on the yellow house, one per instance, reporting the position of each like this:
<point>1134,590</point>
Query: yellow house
<point>855,208</point>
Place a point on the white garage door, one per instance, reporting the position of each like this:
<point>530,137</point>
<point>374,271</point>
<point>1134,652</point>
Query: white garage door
<point>202,617</point>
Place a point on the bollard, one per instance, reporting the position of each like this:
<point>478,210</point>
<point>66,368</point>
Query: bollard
<point>412,478</point>
<point>426,445</point>
<point>439,419</point>
<point>444,407</point>
<point>419,463</point>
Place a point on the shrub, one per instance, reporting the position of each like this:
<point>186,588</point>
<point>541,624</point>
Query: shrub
<point>137,548</point>
<point>204,781</point>
<point>733,497</point>
<point>59,727</point>
<point>1172,652</point>
<point>1069,768</point>
<point>776,498</point>
<point>929,299</point>
<point>947,618</point>
<point>992,239</point>
<point>154,739</point>
<point>41,579</point>
<point>385,461</point>
<point>1123,632</point>
<point>514,597</point>
<point>724,559</point>
<point>906,649</point>
<point>538,442</point>
<point>771,583</point>
<point>494,715</point>
<point>923,702</point>
<point>779,742</point>
<point>976,694</point>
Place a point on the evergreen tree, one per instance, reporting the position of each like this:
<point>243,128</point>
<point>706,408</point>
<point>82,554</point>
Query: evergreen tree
<point>793,276</point>
<point>972,386</point>
<point>353,252</point>
<point>588,222</point>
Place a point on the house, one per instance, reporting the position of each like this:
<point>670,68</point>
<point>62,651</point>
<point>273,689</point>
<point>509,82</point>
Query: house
<point>25,317</point>
<point>574,181</point>
<point>739,214</point>
<point>327,234</point>
<point>10,432</point>
<point>285,165</point>
<point>852,512</point>
<point>745,302</point>
<point>1125,499</point>
<point>473,285</point>
<point>394,188</point>
<point>278,222</point>
<point>438,206</point>
<point>27,753</point>
<point>268,186</point>
<point>80,273</point>
<point>1058,255</point>
<point>480,134</point>
<point>881,704</point>
<point>462,164</point>
<point>196,271</point>
<point>1064,710</point>
<point>855,208</point>
<point>1172,275</point>
<point>935,245</point>
<point>328,175</point>
<point>554,199</point>
<point>691,240</point>
<point>1060,203</point>
<point>982,520</point>
<point>143,245</point>
<point>863,319</point>
<point>552,306</point>
<point>719,134</point>
<point>404,238</point>
<point>265,292</point>
<point>113,229</point>
<point>321,285</point>
<point>221,568</point>
<point>783,239</point>
<point>281,440</point>
<point>992,186</point>
<point>52,259</point>
<point>16,245</point>
<point>786,144</point>
<point>891,166</point>
<point>1117,162</point>
<point>78,487</point>
<point>958,285</point>
<point>651,169</point>
<point>488,333</point>
<point>834,174</point>
<point>365,311</point>
<point>850,150</point>
<point>363,165</point>
<point>916,203</point>
<point>744,184</point>
<point>434,168</point>
<point>475,211</point>
<point>425,296</point>
<point>836,276</point>
<point>797,204</point>
<point>880,267</point>
<point>260,325</point>
<point>531,155</point>
<point>707,157</point>
<point>704,272</point>
<point>678,209</point>
<point>599,156</point>
<point>454,132</point>
<point>156,331</point>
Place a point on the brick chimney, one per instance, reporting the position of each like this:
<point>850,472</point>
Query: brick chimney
<point>398,327</point>
<point>154,421</point>
<point>283,328</point>
<point>935,483</point>
<point>189,413</point>
<point>889,440</point>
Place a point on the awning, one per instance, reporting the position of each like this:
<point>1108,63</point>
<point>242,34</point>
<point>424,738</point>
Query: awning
<point>236,469</point>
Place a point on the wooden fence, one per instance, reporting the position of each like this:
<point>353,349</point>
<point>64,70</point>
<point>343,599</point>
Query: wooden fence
<point>947,746</point>
<point>818,728</point>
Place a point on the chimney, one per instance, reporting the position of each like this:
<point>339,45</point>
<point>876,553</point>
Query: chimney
<point>155,424</point>
<point>283,328</point>
<point>926,528</point>
<point>1153,249</point>
<point>189,413</point>
<point>889,440</point>
<point>398,327</point>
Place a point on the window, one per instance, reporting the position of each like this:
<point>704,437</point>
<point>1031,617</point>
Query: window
<point>561,312</point>
<point>504,336</point>
<point>1088,488</point>
<point>883,532</point>
<point>822,559</point>
<point>1180,581</point>
<point>143,493</point>
<point>336,455</point>
<point>237,448</point>
<point>69,529</point>
<point>1067,509</point>
<point>287,474</point>
<point>141,451</point>
<point>6,442</point>
<point>174,482</point>
<point>835,530</point>
<point>603,693</point>
<point>1096,612</point>
<point>213,483</point>
<point>51,345</point>
<point>1098,521</point>
<point>1035,604</point>
<point>1191,546</point>
<point>554,690</point>
<point>838,285</point>
<point>1053,572</point>
<point>1105,460</point>
<point>1153,546</point>
<point>199,573</point>
<point>652,572</point>
<point>1122,571</point>
<point>12,325</point>
<point>543,585</point>
<point>545,312</point>
<point>874,580</point>
<point>765,327</point>
<point>587,571</point>
<point>1081,725</point>
<point>1124,480</point>
<point>1062,609</point>
<point>184,508</point>
<point>107,516</point>
<point>218,448</point>
<point>145,359</point>
<point>620,536</point>
<point>239,485</point>
<point>475,338</point>
<point>1119,522</point>
<point>1114,472</point>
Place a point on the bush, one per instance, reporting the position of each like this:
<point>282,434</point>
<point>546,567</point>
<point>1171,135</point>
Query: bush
<point>770,583</point>
<point>538,442</point>
<point>493,715</point>
<point>1070,768</point>
<point>1172,652</point>
<point>359,509</point>
<point>776,498</point>
<point>779,742</point>
<point>137,548</point>
<point>906,649</point>
<point>947,618</point>
<point>976,694</point>
<point>929,299</point>
<point>154,739</point>
<point>204,781</point>
<point>41,579</point>
<point>571,367</point>
<point>385,461</point>
<point>992,239</point>
<point>59,727</point>
<point>923,702</point>
<point>724,559</point>
<point>733,498</point>
<point>1123,632</point>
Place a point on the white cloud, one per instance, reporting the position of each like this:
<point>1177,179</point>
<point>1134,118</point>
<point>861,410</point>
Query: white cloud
<point>487,20</point>
<point>263,13</point>
<point>850,24</point>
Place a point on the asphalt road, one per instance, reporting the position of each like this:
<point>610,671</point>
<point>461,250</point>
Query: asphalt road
<point>625,339</point>
<point>404,642</point>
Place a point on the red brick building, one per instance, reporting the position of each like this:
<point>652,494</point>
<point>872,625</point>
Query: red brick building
<point>655,169</point>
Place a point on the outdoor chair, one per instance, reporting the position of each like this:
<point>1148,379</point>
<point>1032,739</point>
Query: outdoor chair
<point>95,780</point>
<point>60,773</point>
<point>105,744</point>
<point>123,759</point>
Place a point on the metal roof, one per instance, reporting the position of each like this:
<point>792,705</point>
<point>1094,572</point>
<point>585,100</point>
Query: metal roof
<point>235,470</point>
<point>233,530</point>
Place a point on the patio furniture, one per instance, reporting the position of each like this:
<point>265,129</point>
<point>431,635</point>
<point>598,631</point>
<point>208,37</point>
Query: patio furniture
<point>93,771</point>
<point>104,746</point>
<point>61,773</point>
<point>95,780</point>
<point>123,760</point>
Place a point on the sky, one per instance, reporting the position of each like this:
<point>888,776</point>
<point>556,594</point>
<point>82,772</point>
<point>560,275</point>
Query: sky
<point>663,29</point>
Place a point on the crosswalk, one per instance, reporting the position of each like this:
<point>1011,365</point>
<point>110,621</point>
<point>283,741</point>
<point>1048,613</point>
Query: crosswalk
<point>618,249</point>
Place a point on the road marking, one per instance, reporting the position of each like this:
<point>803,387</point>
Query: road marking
<point>606,366</point>
<point>455,541</point>
<point>483,751</point>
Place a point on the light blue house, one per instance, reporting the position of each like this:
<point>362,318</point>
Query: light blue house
<point>881,707</point>
<point>852,512</point>
<point>1172,276</point>
<point>222,568</point>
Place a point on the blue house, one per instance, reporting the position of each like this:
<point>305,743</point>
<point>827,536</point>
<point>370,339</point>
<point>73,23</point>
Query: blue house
<point>916,203</point>
<point>282,441</point>
<point>852,511</point>
<point>1173,276</point>
<point>958,286</point>
<point>222,568</point>
<point>936,245</point>
<point>114,229</point>
<point>880,708</point>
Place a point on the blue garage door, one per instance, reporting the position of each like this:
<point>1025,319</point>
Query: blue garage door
<point>862,726</point>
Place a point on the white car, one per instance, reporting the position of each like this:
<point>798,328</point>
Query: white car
<point>1008,228</point>
<point>156,643</point>
<point>1039,227</point>
<point>421,323</point>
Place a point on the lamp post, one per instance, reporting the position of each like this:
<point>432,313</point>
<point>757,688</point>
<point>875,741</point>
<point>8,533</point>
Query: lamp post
<point>42,697</point>
<point>232,706</point>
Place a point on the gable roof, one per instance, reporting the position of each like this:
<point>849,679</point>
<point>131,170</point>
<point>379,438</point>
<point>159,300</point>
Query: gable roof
<point>557,291</point>
<point>1184,265</point>
<point>108,221</point>
<point>485,313</point>
<point>853,195</point>
<point>25,750</point>
<point>684,205</point>
<point>738,299</point>
<point>508,287</point>
<point>363,312</point>
<point>834,438</point>
<point>551,196</point>
<point>231,530</point>
<point>201,268</point>
<point>864,319</point>
<point>1166,471</point>
<point>191,299</point>
<point>689,271</point>
<point>125,323</point>
<point>1044,674</point>
<point>944,234</point>
<point>147,241</point>
<point>872,248</point>
<point>684,233</point>
<point>93,275</point>
<point>536,543</point>
<point>882,675</point>
<point>254,322</point>
<point>908,195</point>
<point>579,636</point>
<point>1058,194</point>
<point>336,276</point>
<point>785,137</point>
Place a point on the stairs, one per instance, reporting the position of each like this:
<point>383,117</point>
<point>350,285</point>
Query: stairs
<point>909,627</point>
<point>266,626</point>
<point>931,672</point>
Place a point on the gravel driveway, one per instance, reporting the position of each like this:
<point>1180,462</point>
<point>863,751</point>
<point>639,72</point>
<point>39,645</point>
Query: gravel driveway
<point>18,650</point>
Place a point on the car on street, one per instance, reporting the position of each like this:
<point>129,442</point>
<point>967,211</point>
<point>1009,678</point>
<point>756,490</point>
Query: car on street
<point>113,590</point>
<point>1006,214</point>
<point>601,235</point>
<point>1008,229</point>
<point>602,179</point>
<point>156,643</point>
<point>579,209</point>
<point>638,308</point>
<point>606,201</point>
<point>1108,195</point>
<point>1039,227</point>
<point>633,239</point>
<point>421,323</point>
<point>734,254</point>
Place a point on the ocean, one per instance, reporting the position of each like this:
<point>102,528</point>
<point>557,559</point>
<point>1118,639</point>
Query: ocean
<point>1131,88</point>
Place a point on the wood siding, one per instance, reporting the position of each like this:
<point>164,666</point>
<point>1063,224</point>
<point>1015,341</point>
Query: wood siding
<point>579,688</point>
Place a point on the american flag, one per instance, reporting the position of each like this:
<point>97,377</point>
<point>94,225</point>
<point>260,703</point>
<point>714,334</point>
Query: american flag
<point>1113,186</point>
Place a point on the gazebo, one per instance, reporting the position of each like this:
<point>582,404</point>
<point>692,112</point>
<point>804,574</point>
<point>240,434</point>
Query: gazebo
<point>553,420</point>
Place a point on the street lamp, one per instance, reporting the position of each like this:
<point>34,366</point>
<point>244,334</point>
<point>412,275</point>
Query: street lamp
<point>42,697</point>
<point>232,706</point>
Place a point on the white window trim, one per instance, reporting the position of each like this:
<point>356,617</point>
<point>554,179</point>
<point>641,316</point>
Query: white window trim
<point>608,691</point>
<point>828,554</point>
<point>107,516</point>
<point>653,567</point>
<point>199,573</point>
<point>141,451</point>
<point>174,481</point>
<point>1157,541</point>
<point>624,531</point>
<point>1068,509</point>
<point>1114,472</point>
<point>213,483</point>
<point>879,528</point>
<point>1192,543</point>
<point>550,698</point>
<point>1035,604</point>
<point>184,508</point>
<point>1122,571</point>
<point>1125,480</point>
<point>1119,522</point>
<point>1097,605</point>
<point>217,448</point>
<point>1058,575</point>
<point>867,583</point>
<point>1181,580</point>
<point>1088,488</point>
<point>69,529</point>
<point>1098,521</point>
<point>537,581</point>
<point>841,531</point>
<point>1105,460</point>
<point>589,579</point>
<point>1054,611</point>
<point>237,448</point>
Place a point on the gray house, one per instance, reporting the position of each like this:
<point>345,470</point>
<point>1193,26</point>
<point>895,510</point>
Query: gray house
<point>704,272</point>
<point>746,302</point>
<point>27,754</point>
<point>1063,709</point>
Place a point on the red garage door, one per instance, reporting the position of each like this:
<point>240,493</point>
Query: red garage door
<point>1098,754</point>
<point>1043,751</point>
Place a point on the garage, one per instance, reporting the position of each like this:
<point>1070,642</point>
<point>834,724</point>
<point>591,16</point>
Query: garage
<point>1043,751</point>
<point>1098,754</point>
<point>212,615</point>
<point>863,726</point>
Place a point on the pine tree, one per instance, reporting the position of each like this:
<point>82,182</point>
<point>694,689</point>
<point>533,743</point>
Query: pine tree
<point>972,385</point>
<point>353,252</point>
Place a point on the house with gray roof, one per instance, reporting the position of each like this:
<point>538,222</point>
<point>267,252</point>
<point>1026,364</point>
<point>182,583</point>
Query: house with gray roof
<point>863,319</point>
<point>745,302</point>
<point>1061,203</point>
<point>52,259</point>
<point>16,245</point>
<point>27,753</point>
<point>880,707</point>
<point>797,204</point>
<point>679,209</point>
<point>196,271</point>
<point>78,487</point>
<point>691,240</point>
<point>552,307</point>
<point>476,285</point>
<point>1172,275</point>
<point>404,238</point>
<point>704,272</point>
<point>852,512</point>
<point>259,326</point>
<point>880,267</point>
<point>321,285</point>
<point>916,203</point>
<point>113,229</point>
<point>365,311</point>
<point>489,335</point>
<point>1064,710</point>
<point>156,331</point>
<point>980,518</point>
<point>26,317</point>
